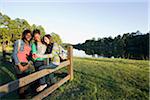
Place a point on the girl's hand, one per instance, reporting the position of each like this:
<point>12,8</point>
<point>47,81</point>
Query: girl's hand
<point>34,56</point>
<point>23,68</point>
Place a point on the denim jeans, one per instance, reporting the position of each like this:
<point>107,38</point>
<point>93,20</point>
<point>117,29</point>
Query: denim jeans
<point>51,76</point>
<point>38,64</point>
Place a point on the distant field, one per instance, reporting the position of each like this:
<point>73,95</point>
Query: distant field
<point>102,79</point>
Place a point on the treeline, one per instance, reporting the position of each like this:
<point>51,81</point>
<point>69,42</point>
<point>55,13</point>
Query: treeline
<point>133,45</point>
<point>11,29</point>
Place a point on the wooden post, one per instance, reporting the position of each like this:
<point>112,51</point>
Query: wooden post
<point>49,90</point>
<point>70,58</point>
<point>11,86</point>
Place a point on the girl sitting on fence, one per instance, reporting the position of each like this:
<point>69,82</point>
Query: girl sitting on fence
<point>38,48</point>
<point>21,57</point>
<point>54,59</point>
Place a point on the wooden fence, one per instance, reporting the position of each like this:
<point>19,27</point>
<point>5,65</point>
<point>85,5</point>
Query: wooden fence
<point>11,86</point>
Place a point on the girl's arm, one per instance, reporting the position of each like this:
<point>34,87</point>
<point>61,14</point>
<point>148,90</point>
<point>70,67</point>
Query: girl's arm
<point>44,56</point>
<point>54,52</point>
<point>34,51</point>
<point>33,48</point>
<point>14,55</point>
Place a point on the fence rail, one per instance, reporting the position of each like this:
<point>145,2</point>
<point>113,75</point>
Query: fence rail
<point>11,86</point>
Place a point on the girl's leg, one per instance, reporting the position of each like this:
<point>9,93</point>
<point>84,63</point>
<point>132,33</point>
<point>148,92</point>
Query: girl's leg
<point>43,82</point>
<point>43,79</point>
<point>51,76</point>
<point>21,90</point>
<point>37,64</point>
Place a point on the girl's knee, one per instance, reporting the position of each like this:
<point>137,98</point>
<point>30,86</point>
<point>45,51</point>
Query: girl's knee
<point>41,67</point>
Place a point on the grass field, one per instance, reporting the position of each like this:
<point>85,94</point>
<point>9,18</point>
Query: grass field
<point>102,79</point>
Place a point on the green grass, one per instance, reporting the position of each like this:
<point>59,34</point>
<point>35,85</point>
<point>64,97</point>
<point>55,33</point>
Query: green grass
<point>102,79</point>
<point>106,79</point>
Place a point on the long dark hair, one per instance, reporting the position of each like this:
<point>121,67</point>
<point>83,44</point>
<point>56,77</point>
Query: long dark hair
<point>50,45</point>
<point>49,37</point>
<point>25,32</point>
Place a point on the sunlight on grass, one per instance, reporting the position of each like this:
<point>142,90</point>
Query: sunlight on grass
<point>106,79</point>
<point>102,78</point>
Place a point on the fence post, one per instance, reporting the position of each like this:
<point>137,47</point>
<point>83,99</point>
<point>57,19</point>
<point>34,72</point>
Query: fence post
<point>70,58</point>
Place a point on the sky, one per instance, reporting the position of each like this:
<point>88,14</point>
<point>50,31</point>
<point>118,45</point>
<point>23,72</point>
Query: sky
<point>78,20</point>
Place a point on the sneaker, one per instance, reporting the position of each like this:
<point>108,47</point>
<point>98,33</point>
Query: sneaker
<point>41,87</point>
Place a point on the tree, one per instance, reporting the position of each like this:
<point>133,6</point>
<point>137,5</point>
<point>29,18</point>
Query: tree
<point>133,45</point>
<point>41,30</point>
<point>56,38</point>
<point>33,27</point>
<point>11,30</point>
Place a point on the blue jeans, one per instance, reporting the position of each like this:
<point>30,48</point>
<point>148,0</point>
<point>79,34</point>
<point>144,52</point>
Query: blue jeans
<point>51,76</point>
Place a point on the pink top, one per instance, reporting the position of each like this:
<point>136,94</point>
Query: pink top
<point>22,55</point>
